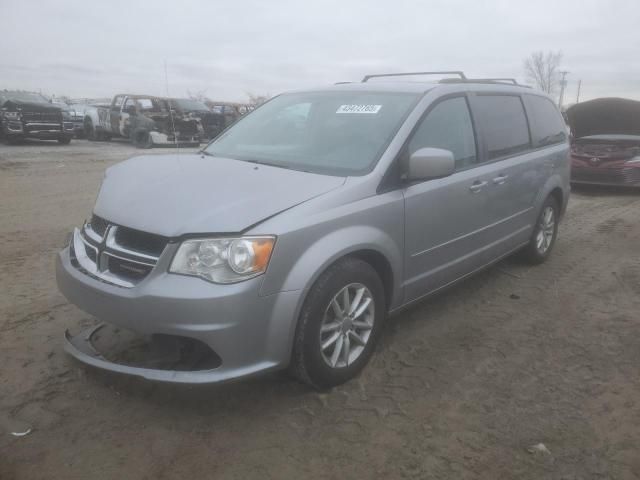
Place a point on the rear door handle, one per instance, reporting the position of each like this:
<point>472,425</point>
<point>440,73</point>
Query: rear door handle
<point>500,179</point>
<point>477,186</point>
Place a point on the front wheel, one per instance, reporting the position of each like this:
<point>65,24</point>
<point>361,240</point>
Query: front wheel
<point>544,234</point>
<point>64,140</point>
<point>339,324</point>
<point>142,139</point>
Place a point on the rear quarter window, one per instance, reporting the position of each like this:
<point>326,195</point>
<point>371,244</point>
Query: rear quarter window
<point>504,124</point>
<point>547,125</point>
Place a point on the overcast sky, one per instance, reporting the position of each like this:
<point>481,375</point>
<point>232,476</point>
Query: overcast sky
<point>228,48</point>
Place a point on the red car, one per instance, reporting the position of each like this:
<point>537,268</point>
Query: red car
<point>605,146</point>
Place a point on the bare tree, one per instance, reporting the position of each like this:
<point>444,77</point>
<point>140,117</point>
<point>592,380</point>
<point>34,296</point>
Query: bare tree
<point>200,95</point>
<point>543,69</point>
<point>257,100</point>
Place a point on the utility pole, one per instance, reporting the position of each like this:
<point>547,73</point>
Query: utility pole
<point>578,95</point>
<point>563,84</point>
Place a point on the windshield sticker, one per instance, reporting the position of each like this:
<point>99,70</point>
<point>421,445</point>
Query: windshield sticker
<point>359,109</point>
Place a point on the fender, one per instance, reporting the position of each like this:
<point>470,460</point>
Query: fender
<point>328,249</point>
<point>553,182</point>
<point>339,243</point>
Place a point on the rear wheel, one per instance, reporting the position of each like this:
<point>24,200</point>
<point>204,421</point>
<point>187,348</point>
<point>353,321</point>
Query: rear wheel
<point>544,234</point>
<point>64,141</point>
<point>339,324</point>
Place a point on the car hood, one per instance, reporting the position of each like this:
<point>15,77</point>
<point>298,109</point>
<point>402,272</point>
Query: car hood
<point>30,106</point>
<point>173,195</point>
<point>604,116</point>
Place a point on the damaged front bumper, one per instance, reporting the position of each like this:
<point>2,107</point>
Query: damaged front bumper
<point>81,346</point>
<point>248,332</point>
<point>164,140</point>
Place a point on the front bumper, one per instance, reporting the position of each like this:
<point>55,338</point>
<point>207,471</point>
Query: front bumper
<point>163,140</point>
<point>612,173</point>
<point>250,333</point>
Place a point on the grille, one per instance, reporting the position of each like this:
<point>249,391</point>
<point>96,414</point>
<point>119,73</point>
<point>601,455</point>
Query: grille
<point>53,117</point>
<point>129,270</point>
<point>141,241</point>
<point>99,225</point>
<point>36,127</point>
<point>114,254</point>
<point>621,176</point>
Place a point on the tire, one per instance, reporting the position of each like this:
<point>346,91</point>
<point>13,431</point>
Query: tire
<point>323,368</point>
<point>142,139</point>
<point>544,234</point>
<point>64,141</point>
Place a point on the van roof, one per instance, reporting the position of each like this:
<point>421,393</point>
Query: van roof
<point>423,87</point>
<point>387,82</point>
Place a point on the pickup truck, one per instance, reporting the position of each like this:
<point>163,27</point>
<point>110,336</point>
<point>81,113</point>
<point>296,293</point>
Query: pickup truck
<point>30,115</point>
<point>144,119</point>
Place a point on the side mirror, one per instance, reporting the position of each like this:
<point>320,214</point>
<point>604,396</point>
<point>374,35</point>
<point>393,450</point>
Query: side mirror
<point>428,163</point>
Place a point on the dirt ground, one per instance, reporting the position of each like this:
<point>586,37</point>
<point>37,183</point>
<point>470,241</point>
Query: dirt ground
<point>461,387</point>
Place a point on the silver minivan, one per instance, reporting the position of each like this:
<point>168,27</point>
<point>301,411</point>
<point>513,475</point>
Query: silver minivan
<point>287,241</point>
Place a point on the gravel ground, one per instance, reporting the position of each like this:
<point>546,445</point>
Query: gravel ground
<point>462,386</point>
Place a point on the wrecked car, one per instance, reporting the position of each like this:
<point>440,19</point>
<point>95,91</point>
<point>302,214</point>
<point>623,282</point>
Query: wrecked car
<point>605,146</point>
<point>228,112</point>
<point>31,115</point>
<point>210,123</point>
<point>292,235</point>
<point>146,120</point>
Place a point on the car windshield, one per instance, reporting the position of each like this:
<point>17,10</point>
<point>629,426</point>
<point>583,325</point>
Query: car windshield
<point>334,133</point>
<point>188,104</point>
<point>24,97</point>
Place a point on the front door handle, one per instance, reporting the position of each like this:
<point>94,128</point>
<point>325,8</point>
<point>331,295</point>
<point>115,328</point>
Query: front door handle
<point>500,179</point>
<point>477,186</point>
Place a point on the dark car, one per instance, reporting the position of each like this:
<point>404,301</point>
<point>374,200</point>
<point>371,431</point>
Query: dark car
<point>212,123</point>
<point>30,115</point>
<point>605,148</point>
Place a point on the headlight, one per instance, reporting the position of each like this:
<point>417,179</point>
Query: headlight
<point>223,260</point>
<point>12,115</point>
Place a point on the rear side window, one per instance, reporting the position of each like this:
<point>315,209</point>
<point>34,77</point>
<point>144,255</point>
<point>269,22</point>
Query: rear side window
<point>448,126</point>
<point>547,125</point>
<point>503,121</point>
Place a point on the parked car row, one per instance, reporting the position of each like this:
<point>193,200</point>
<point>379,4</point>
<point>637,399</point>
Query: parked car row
<point>146,120</point>
<point>155,121</point>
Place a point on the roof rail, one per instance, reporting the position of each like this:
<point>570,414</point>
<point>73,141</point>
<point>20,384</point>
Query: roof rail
<point>377,75</point>
<point>503,81</point>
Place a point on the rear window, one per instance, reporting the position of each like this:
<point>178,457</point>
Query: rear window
<point>547,125</point>
<point>504,124</point>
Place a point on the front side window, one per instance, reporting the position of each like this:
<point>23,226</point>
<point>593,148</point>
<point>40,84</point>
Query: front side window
<point>335,133</point>
<point>448,126</point>
<point>504,124</point>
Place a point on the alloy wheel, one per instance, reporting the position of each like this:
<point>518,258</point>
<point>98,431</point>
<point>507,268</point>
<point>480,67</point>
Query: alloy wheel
<point>347,325</point>
<point>546,229</point>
